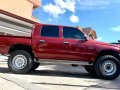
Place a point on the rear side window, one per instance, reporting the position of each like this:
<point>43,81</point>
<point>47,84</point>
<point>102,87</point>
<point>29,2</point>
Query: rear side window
<point>73,33</point>
<point>50,31</point>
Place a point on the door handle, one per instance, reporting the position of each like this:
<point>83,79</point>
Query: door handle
<point>42,41</point>
<point>66,42</point>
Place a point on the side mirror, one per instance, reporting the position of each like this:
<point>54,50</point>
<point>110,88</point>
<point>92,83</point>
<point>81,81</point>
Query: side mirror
<point>84,38</point>
<point>119,41</point>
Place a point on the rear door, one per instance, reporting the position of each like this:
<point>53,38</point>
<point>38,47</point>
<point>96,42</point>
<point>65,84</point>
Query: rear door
<point>48,43</point>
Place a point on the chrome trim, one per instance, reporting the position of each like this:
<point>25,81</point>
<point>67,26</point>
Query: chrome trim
<point>108,67</point>
<point>42,41</point>
<point>66,42</point>
<point>19,62</point>
<point>54,62</point>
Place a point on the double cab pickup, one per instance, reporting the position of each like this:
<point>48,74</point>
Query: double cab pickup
<point>56,44</point>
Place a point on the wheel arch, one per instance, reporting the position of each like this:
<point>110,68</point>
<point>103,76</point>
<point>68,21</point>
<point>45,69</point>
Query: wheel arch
<point>108,52</point>
<point>15,47</point>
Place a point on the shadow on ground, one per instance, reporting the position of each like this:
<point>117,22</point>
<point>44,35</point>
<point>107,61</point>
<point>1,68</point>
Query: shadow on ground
<point>61,74</point>
<point>108,84</point>
<point>4,70</point>
<point>53,73</point>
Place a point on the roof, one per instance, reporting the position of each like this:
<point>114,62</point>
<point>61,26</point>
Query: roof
<point>87,30</point>
<point>16,16</point>
<point>36,3</point>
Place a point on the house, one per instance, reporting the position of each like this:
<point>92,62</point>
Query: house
<point>89,32</point>
<point>22,8</point>
<point>11,24</point>
<point>16,16</point>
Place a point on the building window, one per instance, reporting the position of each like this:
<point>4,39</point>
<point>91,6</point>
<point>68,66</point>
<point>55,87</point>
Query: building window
<point>91,36</point>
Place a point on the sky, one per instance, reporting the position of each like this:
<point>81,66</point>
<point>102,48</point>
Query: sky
<point>103,16</point>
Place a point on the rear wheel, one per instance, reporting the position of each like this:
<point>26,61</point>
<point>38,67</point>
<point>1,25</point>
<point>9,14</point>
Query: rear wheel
<point>20,61</point>
<point>107,67</point>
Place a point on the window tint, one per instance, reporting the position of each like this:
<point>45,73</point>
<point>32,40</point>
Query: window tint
<point>74,33</point>
<point>50,31</point>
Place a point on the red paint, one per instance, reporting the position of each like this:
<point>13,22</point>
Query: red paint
<point>54,48</point>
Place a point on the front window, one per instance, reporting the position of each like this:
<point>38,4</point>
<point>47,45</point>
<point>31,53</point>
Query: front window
<point>69,32</point>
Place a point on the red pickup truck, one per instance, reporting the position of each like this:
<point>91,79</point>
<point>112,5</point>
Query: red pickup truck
<point>53,44</point>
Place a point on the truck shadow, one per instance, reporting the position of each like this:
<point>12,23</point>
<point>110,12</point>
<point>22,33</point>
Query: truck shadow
<point>4,70</point>
<point>55,72</point>
<point>62,74</point>
<point>114,84</point>
<point>62,71</point>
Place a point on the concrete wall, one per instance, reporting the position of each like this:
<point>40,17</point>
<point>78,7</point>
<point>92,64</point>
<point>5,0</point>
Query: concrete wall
<point>21,8</point>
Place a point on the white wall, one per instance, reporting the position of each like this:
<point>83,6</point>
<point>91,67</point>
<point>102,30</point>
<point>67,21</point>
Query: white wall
<point>14,26</point>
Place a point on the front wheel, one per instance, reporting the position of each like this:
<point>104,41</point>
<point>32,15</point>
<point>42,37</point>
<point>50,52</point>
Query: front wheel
<point>20,62</point>
<point>107,67</point>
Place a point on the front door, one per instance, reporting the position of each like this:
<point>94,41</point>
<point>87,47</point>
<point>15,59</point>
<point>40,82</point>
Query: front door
<point>78,47</point>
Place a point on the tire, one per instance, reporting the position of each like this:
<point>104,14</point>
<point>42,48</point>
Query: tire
<point>107,67</point>
<point>20,62</point>
<point>35,66</point>
<point>90,69</point>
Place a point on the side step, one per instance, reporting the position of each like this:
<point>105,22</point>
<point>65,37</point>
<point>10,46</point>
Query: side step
<point>55,62</point>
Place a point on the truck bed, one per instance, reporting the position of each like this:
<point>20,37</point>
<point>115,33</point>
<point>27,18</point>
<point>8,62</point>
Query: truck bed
<point>6,41</point>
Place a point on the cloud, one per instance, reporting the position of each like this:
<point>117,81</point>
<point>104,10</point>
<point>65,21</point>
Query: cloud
<point>99,38</point>
<point>53,10</point>
<point>93,4</point>
<point>74,19</point>
<point>66,4</point>
<point>50,20</point>
<point>59,7</point>
<point>117,28</point>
